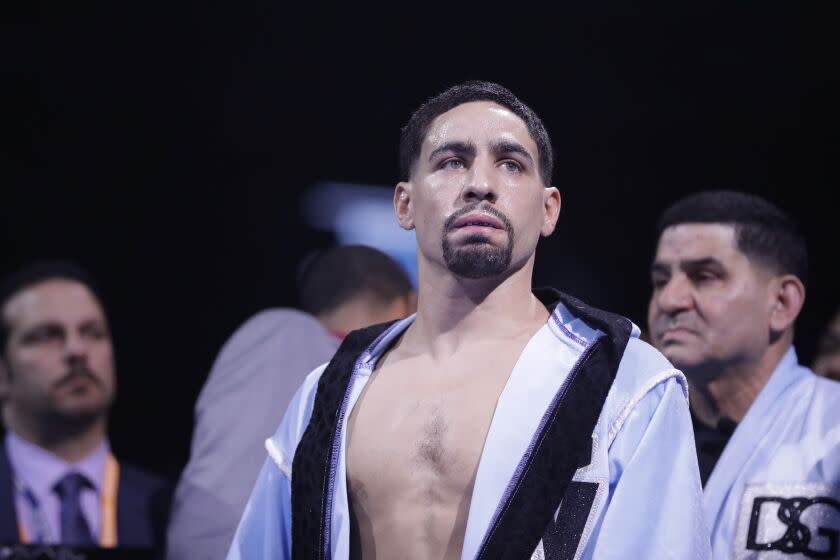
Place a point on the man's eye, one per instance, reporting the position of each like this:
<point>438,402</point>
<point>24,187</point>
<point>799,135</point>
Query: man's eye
<point>511,166</point>
<point>95,332</point>
<point>42,336</point>
<point>452,164</point>
<point>704,276</point>
<point>658,281</point>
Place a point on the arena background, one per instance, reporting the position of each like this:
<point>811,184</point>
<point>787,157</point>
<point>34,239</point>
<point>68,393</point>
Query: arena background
<point>168,147</point>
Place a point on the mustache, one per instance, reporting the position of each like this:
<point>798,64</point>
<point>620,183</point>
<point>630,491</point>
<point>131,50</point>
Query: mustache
<point>76,373</point>
<point>477,206</point>
<point>663,323</point>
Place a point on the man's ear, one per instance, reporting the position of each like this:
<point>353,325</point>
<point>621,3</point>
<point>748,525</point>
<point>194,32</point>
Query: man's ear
<point>788,297</point>
<point>402,205</point>
<point>551,207</point>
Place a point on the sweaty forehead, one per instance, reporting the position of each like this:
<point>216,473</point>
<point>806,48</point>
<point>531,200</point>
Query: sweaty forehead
<point>697,241</point>
<point>479,122</point>
<point>55,300</point>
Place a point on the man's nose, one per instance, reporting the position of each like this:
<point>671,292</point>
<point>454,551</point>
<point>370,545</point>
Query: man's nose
<point>480,183</point>
<point>675,295</point>
<point>76,349</point>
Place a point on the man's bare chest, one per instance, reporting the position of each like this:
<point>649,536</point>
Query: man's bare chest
<point>415,426</point>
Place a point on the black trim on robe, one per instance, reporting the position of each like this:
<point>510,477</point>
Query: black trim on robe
<point>563,445</point>
<point>313,456</point>
<point>561,539</point>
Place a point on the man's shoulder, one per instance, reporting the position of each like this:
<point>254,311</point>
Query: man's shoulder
<point>276,325</point>
<point>642,364</point>
<point>279,317</point>
<point>822,398</point>
<point>643,378</point>
<point>829,389</point>
<point>144,501</point>
<point>141,490</point>
<point>806,395</point>
<point>299,411</point>
<point>269,353</point>
<point>142,480</point>
<point>642,369</point>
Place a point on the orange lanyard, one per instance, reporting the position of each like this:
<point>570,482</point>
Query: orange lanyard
<point>108,510</point>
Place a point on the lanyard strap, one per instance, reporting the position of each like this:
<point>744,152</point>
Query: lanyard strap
<point>110,487</point>
<point>108,509</point>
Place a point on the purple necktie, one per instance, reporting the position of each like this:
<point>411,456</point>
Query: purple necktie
<point>74,527</point>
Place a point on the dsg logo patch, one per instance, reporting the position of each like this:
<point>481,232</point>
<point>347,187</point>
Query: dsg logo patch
<point>788,521</point>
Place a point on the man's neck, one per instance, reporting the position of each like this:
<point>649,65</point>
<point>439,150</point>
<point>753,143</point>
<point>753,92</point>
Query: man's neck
<point>451,310</point>
<point>731,393</point>
<point>71,445</point>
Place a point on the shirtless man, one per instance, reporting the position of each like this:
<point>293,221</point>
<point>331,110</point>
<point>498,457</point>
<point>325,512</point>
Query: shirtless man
<point>494,423</point>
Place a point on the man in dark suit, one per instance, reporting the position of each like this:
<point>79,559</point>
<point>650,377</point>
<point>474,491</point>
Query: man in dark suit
<point>59,481</point>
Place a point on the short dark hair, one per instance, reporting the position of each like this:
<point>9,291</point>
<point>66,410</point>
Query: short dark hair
<point>762,231</point>
<point>35,273</point>
<point>415,131</point>
<point>339,274</point>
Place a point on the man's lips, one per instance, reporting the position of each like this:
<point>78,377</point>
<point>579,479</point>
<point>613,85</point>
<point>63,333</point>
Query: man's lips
<point>479,220</point>
<point>675,331</point>
<point>77,379</point>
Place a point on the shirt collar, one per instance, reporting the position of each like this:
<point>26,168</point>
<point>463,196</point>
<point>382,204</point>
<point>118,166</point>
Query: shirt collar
<point>39,470</point>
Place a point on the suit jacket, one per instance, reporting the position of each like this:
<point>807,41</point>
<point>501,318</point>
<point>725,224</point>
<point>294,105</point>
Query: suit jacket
<point>142,507</point>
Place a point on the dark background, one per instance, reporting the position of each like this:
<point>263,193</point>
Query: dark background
<point>167,147</point>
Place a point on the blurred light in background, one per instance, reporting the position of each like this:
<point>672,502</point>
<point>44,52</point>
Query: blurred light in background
<point>361,215</point>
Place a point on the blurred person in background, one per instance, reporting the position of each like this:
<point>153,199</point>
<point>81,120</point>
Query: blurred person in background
<point>827,362</point>
<point>729,280</point>
<point>255,376</point>
<point>498,422</point>
<point>59,481</point>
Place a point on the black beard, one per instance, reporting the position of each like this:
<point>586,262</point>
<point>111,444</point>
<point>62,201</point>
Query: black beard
<point>477,257</point>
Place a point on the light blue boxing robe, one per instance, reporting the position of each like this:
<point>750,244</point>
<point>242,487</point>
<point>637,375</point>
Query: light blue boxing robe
<point>774,493</point>
<point>647,500</point>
